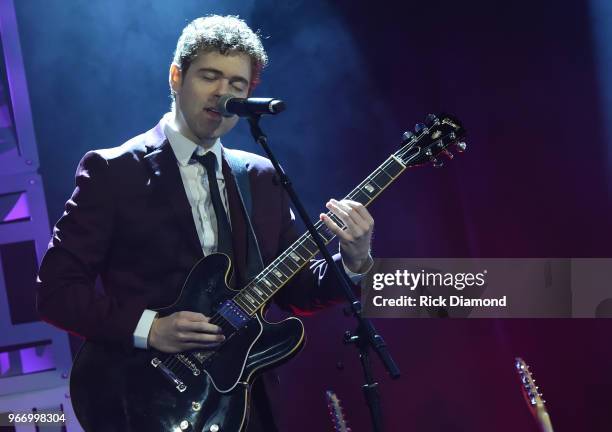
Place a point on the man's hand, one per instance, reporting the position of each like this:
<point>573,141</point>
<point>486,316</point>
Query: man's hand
<point>184,331</point>
<point>355,240</point>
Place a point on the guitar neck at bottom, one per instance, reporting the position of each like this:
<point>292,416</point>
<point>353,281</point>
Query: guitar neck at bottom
<point>544,420</point>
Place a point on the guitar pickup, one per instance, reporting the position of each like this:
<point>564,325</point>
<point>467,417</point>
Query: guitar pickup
<point>233,314</point>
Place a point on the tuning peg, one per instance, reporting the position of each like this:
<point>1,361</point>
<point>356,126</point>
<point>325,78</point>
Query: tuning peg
<point>461,146</point>
<point>407,136</point>
<point>431,118</point>
<point>437,163</point>
<point>419,127</point>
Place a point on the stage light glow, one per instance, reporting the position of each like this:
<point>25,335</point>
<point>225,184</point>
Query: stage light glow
<point>601,25</point>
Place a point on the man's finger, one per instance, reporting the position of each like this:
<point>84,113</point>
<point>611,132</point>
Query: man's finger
<point>199,326</point>
<point>202,338</point>
<point>356,212</point>
<point>361,209</point>
<point>333,227</point>
<point>355,215</point>
<point>192,316</point>
<point>344,216</point>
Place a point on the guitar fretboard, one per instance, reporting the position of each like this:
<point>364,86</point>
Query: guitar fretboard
<point>286,265</point>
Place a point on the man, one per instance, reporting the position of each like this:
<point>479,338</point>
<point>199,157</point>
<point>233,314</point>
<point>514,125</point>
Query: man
<point>144,213</point>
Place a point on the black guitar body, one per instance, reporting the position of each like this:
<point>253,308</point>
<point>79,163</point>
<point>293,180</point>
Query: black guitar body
<point>146,390</point>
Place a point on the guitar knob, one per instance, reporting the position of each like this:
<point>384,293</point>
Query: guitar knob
<point>461,146</point>
<point>431,118</point>
<point>419,127</point>
<point>214,428</point>
<point>184,425</point>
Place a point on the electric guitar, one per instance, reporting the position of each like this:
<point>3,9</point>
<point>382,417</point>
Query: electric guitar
<point>208,390</point>
<point>336,412</point>
<point>532,396</point>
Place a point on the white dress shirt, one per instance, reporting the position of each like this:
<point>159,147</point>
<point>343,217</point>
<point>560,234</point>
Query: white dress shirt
<point>195,181</point>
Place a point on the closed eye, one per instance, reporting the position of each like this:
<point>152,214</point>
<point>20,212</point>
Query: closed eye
<point>239,86</point>
<point>210,76</point>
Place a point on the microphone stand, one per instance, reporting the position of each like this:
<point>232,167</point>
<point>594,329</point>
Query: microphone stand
<point>365,335</point>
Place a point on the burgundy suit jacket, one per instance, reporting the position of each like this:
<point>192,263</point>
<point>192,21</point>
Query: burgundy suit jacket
<point>129,222</point>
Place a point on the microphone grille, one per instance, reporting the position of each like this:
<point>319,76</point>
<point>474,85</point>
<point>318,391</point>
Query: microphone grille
<point>222,104</point>
<point>277,106</point>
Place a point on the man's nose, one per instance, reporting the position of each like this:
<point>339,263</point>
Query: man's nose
<point>222,87</point>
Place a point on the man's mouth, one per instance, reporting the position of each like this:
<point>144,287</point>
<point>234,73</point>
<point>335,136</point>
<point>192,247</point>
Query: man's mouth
<point>212,111</point>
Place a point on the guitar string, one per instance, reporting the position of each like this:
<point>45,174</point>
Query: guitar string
<point>282,258</point>
<point>172,360</point>
<point>226,327</point>
<point>218,319</point>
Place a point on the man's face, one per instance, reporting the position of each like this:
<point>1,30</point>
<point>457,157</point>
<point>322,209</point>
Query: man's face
<point>209,76</point>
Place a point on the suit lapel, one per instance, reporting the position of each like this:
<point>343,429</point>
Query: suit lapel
<point>165,173</point>
<point>239,231</point>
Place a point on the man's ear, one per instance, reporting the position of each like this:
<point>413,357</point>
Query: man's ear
<point>175,78</point>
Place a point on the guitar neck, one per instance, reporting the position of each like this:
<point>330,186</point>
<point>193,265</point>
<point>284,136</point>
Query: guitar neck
<point>335,410</point>
<point>544,420</point>
<point>286,265</point>
<point>532,396</point>
<point>417,149</point>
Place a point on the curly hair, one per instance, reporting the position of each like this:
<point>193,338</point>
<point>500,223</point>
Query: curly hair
<point>225,34</point>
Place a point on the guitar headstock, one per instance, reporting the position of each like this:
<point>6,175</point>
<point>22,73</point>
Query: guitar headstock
<point>432,140</point>
<point>336,413</point>
<point>532,395</point>
<point>530,390</point>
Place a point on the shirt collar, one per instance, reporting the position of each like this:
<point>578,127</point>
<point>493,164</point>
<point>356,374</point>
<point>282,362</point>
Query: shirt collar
<point>183,147</point>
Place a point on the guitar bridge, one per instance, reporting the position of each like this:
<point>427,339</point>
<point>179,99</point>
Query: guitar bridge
<point>170,376</point>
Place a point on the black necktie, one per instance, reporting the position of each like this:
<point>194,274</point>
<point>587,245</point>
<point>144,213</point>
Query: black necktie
<point>224,231</point>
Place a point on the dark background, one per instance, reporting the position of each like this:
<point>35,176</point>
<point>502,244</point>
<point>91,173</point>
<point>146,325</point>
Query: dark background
<point>524,79</point>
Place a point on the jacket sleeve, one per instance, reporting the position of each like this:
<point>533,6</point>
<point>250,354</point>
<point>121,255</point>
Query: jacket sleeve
<point>315,286</point>
<point>66,293</point>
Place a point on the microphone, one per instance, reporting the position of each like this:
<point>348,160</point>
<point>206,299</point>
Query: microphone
<point>229,105</point>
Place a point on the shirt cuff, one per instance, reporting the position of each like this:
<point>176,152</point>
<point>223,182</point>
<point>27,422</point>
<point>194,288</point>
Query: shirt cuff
<point>357,277</point>
<point>141,334</point>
